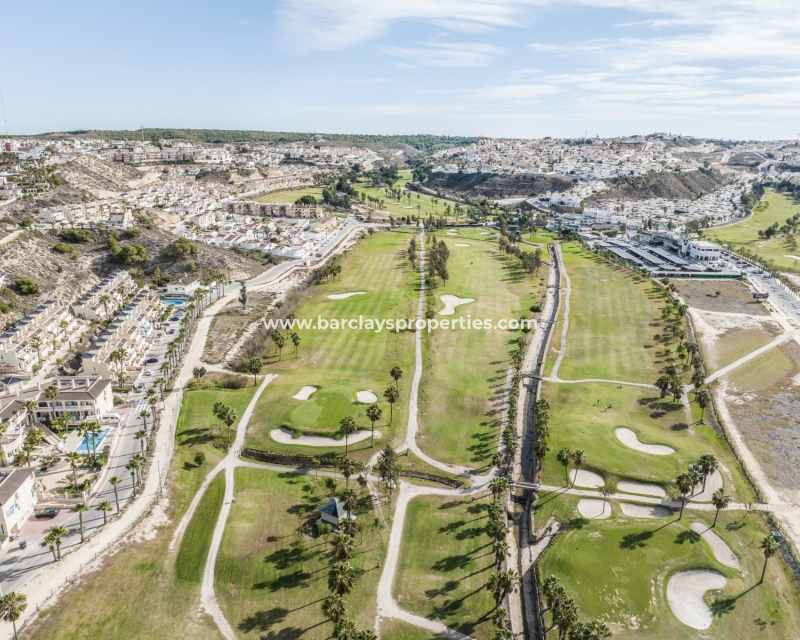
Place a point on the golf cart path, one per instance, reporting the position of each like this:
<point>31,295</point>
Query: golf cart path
<point>565,322</point>
<point>777,341</point>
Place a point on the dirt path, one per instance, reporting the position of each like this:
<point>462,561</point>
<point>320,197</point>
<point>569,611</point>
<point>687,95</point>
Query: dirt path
<point>779,340</point>
<point>565,321</point>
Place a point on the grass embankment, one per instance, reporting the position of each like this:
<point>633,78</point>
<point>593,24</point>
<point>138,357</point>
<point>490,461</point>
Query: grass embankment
<point>270,585</point>
<point>138,593</point>
<point>745,234</point>
<point>196,542</point>
<point>344,361</point>
<point>614,318</point>
<point>579,421</point>
<point>465,370</point>
<point>445,564</point>
<point>617,570</point>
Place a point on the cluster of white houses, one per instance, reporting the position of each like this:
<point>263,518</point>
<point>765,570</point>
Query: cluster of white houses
<point>275,209</point>
<point>110,214</point>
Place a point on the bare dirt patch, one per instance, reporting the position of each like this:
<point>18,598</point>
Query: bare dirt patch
<point>734,296</point>
<point>230,326</point>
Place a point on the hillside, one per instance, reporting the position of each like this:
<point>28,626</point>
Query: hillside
<point>92,174</point>
<point>494,186</point>
<point>663,185</point>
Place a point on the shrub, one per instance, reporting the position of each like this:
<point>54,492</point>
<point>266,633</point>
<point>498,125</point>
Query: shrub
<point>63,247</point>
<point>181,248</point>
<point>199,458</point>
<point>133,232</point>
<point>76,235</point>
<point>307,199</point>
<point>26,223</point>
<point>536,307</point>
<point>232,382</point>
<point>26,286</point>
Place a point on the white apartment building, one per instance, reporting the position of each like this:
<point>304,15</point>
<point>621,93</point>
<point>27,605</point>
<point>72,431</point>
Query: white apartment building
<point>19,494</point>
<point>700,250</point>
<point>35,338</point>
<point>115,286</point>
<point>183,288</point>
<point>14,421</point>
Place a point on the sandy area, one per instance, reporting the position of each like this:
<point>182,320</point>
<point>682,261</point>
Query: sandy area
<point>722,552</point>
<point>713,482</point>
<point>594,509</point>
<point>451,302</point>
<point>713,326</point>
<point>367,397</point>
<point>486,233</point>
<point>685,595</point>
<point>462,244</point>
<point>285,436</point>
<point>641,488</point>
<point>588,479</point>
<point>630,439</point>
<point>342,296</point>
<point>304,393</point>
<point>644,510</point>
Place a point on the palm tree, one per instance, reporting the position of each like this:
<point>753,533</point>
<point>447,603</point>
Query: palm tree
<point>94,431</point>
<point>11,607</point>
<point>131,467</point>
<point>333,608</point>
<point>345,629</point>
<point>685,482</point>
<point>295,341</point>
<point>662,384</point>
<point>578,458</point>
<point>392,395</point>
<point>396,374</point>
<point>606,490</point>
<point>702,398</point>
<point>347,468</point>
<point>348,497</point>
<point>229,418</point>
<point>80,508</point>
<point>104,300</point>
<point>498,486</point>
<point>141,436</point>
<point>343,546</point>
<point>564,456</point>
<point>36,343</point>
<point>720,501</point>
<point>348,424</point>
<point>105,507</point>
<point>374,413</point>
<point>161,383</point>
<point>341,578</point>
<point>144,414</point>
<point>501,551</point>
<point>30,406</point>
<point>708,464</point>
<point>75,461</point>
<point>51,393</point>
<point>501,583</point>
<point>769,546</point>
<point>367,634</point>
<point>114,481</point>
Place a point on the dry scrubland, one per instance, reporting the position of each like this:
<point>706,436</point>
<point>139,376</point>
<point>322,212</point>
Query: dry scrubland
<point>229,325</point>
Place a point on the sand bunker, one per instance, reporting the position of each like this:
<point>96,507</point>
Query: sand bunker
<point>641,488</point>
<point>451,302</point>
<point>722,552</point>
<point>630,439</point>
<point>486,233</point>
<point>594,509</point>
<point>461,244</point>
<point>285,436</point>
<point>342,296</point>
<point>685,595</point>
<point>304,393</point>
<point>583,478</point>
<point>791,256</point>
<point>713,482</point>
<point>367,397</point>
<point>644,510</point>
<point>452,232</point>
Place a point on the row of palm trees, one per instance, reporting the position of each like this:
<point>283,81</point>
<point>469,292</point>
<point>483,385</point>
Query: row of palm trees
<point>501,582</point>
<point>226,415</point>
<point>564,615</point>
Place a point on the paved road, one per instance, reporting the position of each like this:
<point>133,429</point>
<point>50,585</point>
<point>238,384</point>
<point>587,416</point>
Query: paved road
<point>11,236</point>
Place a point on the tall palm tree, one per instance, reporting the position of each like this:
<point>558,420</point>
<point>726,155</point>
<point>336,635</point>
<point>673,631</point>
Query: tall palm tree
<point>104,300</point>
<point>161,383</point>
<point>342,546</point>
<point>36,343</point>
<point>49,541</point>
<point>720,501</point>
<point>392,395</point>
<point>396,374</point>
<point>564,456</point>
<point>30,407</point>
<point>348,497</point>
<point>11,607</point>
<point>80,509</point>
<point>141,436</point>
<point>769,546</point>
<point>708,464</point>
<point>229,418</point>
<point>295,341</point>
<point>341,578</point>
<point>94,432</point>
<point>105,507</point>
<point>374,413</point>
<point>75,461</point>
<point>501,551</point>
<point>578,458</point>
<point>501,583</point>
<point>333,608</point>
<point>686,483</point>
<point>114,481</point>
<point>144,414</point>
<point>131,467</point>
<point>51,393</point>
<point>348,424</point>
<point>345,629</point>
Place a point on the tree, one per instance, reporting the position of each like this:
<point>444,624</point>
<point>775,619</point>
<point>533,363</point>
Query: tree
<point>501,583</point>
<point>75,461</point>
<point>80,509</point>
<point>685,482</point>
<point>720,501</point>
<point>708,464</point>
<point>295,341</point>
<point>703,399</point>
<point>243,294</point>
<point>564,456</point>
<point>396,374</point>
<point>374,413</point>
<point>388,467</point>
<point>501,550</point>
<point>769,546</point>
<point>347,468</point>
<point>578,458</point>
<point>333,608</point>
<point>341,578</point>
<point>253,365</point>
<point>497,486</point>
<point>348,424</point>
<point>105,507</point>
<point>30,407</point>
<point>349,498</point>
<point>198,372</point>
<point>11,607</point>
<point>345,629</point>
<point>144,414</point>
<point>199,458</point>
<point>392,395</point>
<point>141,436</point>
<point>606,490</point>
<point>114,481</point>
<point>662,384</point>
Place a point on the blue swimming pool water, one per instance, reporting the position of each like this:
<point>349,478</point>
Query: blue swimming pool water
<point>172,303</point>
<point>82,446</point>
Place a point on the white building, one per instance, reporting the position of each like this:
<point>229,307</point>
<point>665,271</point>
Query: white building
<point>18,498</point>
<point>183,288</point>
<point>700,250</point>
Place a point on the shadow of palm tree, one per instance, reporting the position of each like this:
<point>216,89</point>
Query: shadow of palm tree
<point>263,620</point>
<point>633,541</point>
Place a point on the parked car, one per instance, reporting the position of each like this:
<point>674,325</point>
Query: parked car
<point>174,319</point>
<point>47,512</point>
<point>171,331</point>
<point>111,417</point>
<point>149,372</point>
<point>140,387</point>
<point>151,360</point>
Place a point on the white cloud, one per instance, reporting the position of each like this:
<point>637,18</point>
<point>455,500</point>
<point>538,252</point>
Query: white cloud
<point>449,54</point>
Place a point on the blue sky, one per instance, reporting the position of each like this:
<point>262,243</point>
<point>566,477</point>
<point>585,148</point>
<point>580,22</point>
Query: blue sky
<point>514,68</point>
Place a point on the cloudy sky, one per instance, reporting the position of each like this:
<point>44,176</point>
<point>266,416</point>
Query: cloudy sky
<point>514,68</point>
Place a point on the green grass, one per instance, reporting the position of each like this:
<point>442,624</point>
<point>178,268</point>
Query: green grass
<point>403,208</point>
<point>735,344</point>
<point>268,586</point>
<point>579,421</point>
<point>464,376</point>
<point>397,630</point>
<point>290,195</point>
<point>762,372</point>
<point>342,362</point>
<point>610,321</point>
<point>617,570</point>
<point>196,542</point>
<point>745,234</point>
<point>445,564</point>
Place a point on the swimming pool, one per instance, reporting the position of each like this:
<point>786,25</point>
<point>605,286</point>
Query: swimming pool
<point>173,303</point>
<point>82,446</point>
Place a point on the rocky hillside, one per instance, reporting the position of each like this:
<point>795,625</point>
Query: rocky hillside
<point>494,186</point>
<point>671,186</point>
<point>92,174</point>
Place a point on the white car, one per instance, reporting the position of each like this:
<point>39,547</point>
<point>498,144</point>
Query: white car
<point>149,372</point>
<point>111,417</point>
